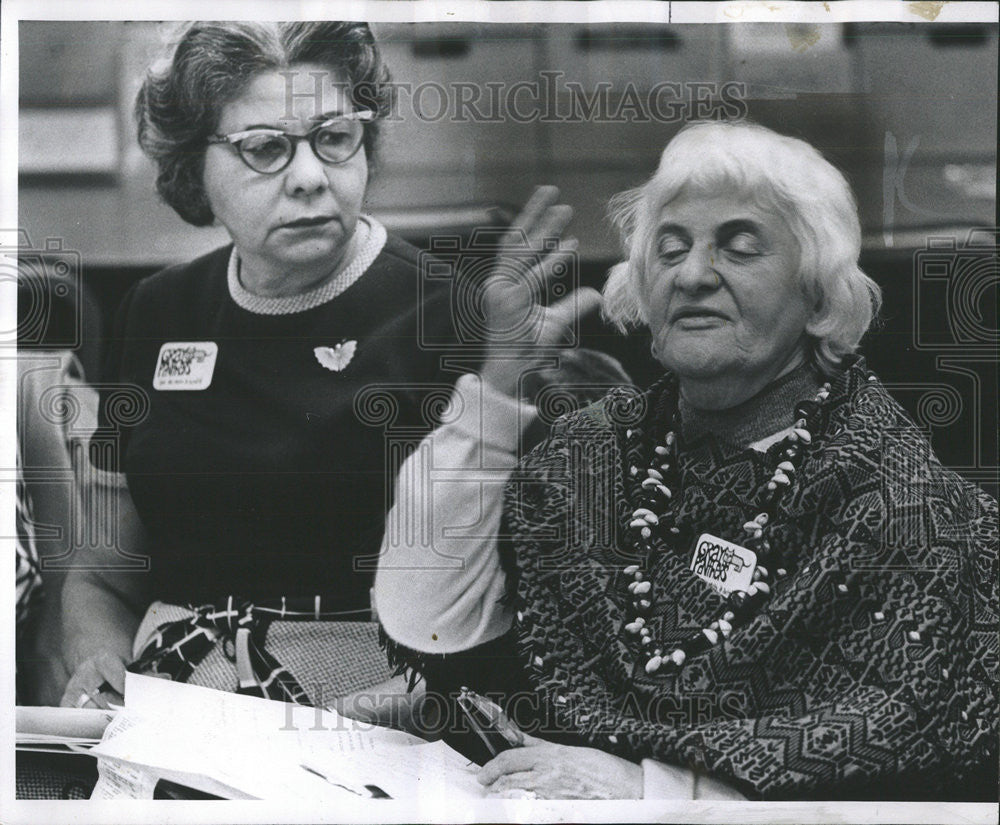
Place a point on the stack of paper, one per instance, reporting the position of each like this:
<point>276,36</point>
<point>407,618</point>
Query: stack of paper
<point>241,747</point>
<point>59,729</point>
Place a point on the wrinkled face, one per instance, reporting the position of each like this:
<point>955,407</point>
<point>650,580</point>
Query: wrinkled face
<point>722,292</point>
<point>303,217</point>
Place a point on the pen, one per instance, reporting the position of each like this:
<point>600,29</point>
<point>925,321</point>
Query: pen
<point>372,791</point>
<point>113,695</point>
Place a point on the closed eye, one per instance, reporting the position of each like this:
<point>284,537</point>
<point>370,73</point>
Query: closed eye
<point>672,249</point>
<point>743,245</point>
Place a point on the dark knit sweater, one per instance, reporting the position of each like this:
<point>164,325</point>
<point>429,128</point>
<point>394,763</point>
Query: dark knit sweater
<point>870,673</point>
<point>274,480</point>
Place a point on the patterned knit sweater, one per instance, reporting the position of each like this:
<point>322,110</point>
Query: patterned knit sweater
<point>870,673</point>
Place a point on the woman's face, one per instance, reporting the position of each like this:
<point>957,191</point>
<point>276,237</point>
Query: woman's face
<point>265,213</point>
<point>723,294</point>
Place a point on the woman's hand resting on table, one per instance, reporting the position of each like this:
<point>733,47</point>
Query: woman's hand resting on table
<point>547,771</point>
<point>521,328</point>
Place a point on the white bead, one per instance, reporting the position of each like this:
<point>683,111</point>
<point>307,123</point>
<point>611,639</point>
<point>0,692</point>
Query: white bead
<point>560,700</point>
<point>751,526</point>
<point>637,523</point>
<point>711,635</point>
<point>653,664</point>
<point>725,627</point>
<point>763,587</point>
<point>752,590</point>
<point>520,616</point>
<point>632,627</point>
<point>665,490</point>
<point>654,474</point>
<point>787,466</point>
<point>538,661</point>
<point>842,588</point>
<point>781,571</point>
<point>649,483</point>
<point>781,478</point>
<point>678,657</point>
<point>762,570</point>
<point>879,616</point>
<point>641,588</point>
<point>729,615</point>
<point>914,636</point>
<point>633,471</point>
<point>645,532</point>
<point>613,739</point>
<point>631,570</point>
<point>642,512</point>
<point>803,434</point>
<point>661,450</point>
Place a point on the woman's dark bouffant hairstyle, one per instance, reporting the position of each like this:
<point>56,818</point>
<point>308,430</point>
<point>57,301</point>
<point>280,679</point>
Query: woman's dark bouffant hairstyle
<point>181,99</point>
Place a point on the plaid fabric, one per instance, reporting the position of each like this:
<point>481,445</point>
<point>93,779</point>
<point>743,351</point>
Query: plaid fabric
<point>294,657</point>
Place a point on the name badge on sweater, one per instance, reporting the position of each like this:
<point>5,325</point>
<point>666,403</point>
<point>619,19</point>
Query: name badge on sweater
<point>726,566</point>
<point>185,365</point>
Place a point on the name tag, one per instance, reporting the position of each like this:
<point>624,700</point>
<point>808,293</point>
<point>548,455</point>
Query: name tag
<point>185,365</point>
<point>726,566</point>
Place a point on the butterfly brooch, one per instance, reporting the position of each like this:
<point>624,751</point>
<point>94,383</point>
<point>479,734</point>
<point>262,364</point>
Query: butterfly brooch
<point>337,357</point>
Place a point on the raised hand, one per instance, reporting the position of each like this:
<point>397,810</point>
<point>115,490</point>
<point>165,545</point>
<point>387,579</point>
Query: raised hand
<point>520,327</point>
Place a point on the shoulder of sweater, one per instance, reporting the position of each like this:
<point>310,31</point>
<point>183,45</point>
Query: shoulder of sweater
<point>184,282</point>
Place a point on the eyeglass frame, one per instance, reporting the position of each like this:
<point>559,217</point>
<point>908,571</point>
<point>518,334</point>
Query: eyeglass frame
<point>234,138</point>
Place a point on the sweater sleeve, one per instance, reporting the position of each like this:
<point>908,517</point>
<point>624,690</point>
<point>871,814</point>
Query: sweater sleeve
<point>439,584</point>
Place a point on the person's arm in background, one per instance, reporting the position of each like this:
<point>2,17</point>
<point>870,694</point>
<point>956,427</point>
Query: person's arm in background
<point>101,608</point>
<point>89,613</point>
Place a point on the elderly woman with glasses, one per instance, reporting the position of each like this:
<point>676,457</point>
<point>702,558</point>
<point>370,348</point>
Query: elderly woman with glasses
<point>248,478</point>
<point>753,579</point>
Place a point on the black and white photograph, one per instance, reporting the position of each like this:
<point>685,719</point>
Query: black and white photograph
<point>489,411</point>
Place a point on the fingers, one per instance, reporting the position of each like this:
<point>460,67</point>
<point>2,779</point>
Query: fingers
<point>515,760</point>
<point>540,218</point>
<point>520,785</point>
<point>83,690</point>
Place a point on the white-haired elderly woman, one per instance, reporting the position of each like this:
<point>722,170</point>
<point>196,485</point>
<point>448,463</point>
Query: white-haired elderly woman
<point>755,578</point>
<point>253,483</point>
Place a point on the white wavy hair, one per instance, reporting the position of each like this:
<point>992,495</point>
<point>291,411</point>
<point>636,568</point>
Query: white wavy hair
<point>780,173</point>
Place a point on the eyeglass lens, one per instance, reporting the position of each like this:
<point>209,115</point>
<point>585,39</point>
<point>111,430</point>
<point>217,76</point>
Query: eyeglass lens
<point>334,143</point>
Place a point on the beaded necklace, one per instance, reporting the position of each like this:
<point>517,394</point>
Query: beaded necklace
<point>653,489</point>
